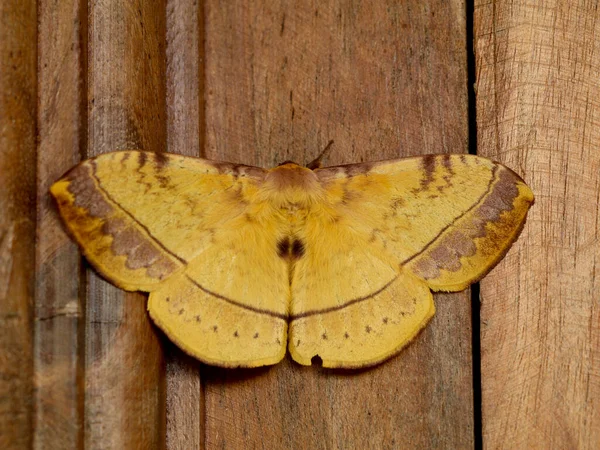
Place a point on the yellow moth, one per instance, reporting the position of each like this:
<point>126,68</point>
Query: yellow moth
<point>339,262</point>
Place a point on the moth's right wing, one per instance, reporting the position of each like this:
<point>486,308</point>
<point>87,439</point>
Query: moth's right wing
<point>448,219</point>
<point>385,234</point>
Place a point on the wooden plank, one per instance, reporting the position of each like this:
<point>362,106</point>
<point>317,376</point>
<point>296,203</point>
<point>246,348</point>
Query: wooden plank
<point>185,77</point>
<point>382,79</point>
<point>124,367</point>
<point>538,110</point>
<point>58,349</point>
<point>185,135</point>
<point>18,35</point>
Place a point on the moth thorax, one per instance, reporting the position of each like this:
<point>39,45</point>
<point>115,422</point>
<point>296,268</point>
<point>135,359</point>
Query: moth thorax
<point>294,213</point>
<point>291,183</point>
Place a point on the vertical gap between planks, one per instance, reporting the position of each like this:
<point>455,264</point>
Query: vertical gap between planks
<point>83,273</point>
<point>31,365</point>
<point>83,88</point>
<point>475,288</point>
<point>201,146</point>
<point>84,33</point>
<point>58,401</point>
<point>84,36</point>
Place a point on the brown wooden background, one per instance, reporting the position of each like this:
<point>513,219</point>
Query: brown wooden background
<point>262,81</point>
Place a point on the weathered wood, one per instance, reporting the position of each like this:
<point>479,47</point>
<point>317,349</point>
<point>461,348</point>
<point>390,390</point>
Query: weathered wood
<point>58,349</point>
<point>185,77</point>
<point>381,80</point>
<point>279,82</point>
<point>18,25</point>
<point>124,367</point>
<point>538,110</point>
<point>185,135</point>
<point>184,401</point>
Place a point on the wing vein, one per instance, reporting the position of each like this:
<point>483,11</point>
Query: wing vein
<point>132,217</point>
<point>473,206</point>
<point>343,305</point>
<point>237,303</point>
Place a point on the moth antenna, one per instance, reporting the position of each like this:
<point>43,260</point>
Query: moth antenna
<point>317,162</point>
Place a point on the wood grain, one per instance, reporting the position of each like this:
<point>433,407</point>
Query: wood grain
<point>18,86</point>
<point>185,135</point>
<point>124,366</point>
<point>58,344</point>
<point>382,80</point>
<point>261,82</point>
<point>538,85</point>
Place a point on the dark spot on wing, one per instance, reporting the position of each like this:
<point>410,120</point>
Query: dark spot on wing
<point>349,196</point>
<point>283,247</point>
<point>211,232</point>
<point>181,311</point>
<point>236,334</point>
<point>385,320</point>
<point>142,158</point>
<point>368,329</point>
<point>377,233</point>
<point>297,249</point>
<point>255,335</point>
<point>346,335</point>
<point>215,328</point>
<point>447,163</point>
<point>290,250</point>
<point>161,160</point>
<point>396,203</point>
<point>324,336</point>
<point>427,166</point>
<point>197,318</point>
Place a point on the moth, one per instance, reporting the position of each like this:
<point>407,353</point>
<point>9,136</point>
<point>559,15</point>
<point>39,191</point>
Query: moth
<point>338,262</point>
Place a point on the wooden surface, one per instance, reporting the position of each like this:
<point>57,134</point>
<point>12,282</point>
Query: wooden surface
<point>59,326</point>
<point>185,135</point>
<point>282,79</point>
<point>98,361</point>
<point>18,85</point>
<point>124,380</point>
<point>259,82</point>
<point>538,110</point>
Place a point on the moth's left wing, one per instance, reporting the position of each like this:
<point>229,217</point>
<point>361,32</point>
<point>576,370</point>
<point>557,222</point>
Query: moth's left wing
<point>190,232</point>
<point>139,217</point>
<point>385,234</point>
